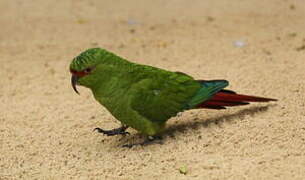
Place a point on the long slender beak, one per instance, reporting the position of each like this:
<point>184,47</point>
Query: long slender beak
<point>74,82</point>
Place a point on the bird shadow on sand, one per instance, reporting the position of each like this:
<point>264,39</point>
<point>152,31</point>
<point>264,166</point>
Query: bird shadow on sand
<point>175,130</point>
<point>239,115</point>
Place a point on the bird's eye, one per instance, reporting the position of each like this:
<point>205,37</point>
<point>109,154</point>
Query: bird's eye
<point>88,70</point>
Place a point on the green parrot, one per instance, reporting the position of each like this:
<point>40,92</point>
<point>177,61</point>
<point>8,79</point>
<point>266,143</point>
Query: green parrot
<point>144,97</point>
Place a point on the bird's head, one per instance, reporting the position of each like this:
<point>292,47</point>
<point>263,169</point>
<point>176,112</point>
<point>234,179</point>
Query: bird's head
<point>84,68</point>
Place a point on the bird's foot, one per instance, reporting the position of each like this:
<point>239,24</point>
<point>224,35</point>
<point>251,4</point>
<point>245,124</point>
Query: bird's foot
<point>149,140</point>
<point>113,132</point>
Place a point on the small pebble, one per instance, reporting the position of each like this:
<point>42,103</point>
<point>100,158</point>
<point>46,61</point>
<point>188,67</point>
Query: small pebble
<point>183,170</point>
<point>132,22</point>
<point>239,43</point>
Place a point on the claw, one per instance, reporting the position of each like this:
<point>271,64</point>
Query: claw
<point>149,140</point>
<point>99,130</point>
<point>118,131</point>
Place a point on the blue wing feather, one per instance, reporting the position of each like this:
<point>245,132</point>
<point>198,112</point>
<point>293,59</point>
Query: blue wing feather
<point>208,89</point>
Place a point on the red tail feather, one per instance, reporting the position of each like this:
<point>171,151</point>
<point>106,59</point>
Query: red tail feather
<point>229,98</point>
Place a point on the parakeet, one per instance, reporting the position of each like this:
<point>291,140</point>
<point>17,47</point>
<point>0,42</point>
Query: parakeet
<point>145,97</point>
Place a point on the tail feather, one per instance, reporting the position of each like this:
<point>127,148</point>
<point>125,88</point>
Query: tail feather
<point>223,95</point>
<point>225,98</point>
<point>224,103</point>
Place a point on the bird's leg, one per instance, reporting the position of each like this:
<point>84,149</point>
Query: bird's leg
<point>149,140</point>
<point>121,130</point>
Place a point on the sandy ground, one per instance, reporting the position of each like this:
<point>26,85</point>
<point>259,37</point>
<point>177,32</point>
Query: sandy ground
<point>259,46</point>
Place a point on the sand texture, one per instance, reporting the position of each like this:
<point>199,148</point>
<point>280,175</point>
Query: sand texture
<point>259,46</point>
